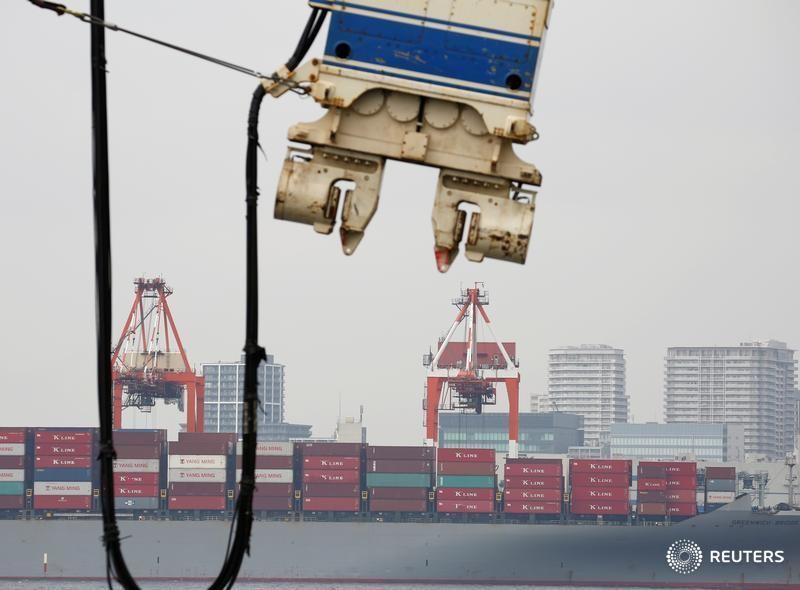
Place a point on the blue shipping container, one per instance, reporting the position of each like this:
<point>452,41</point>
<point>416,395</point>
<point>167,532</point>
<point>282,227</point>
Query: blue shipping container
<point>62,475</point>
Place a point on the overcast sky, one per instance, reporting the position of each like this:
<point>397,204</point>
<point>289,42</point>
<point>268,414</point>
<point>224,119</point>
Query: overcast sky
<point>667,216</point>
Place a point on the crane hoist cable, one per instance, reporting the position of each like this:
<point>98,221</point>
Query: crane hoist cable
<point>241,525</point>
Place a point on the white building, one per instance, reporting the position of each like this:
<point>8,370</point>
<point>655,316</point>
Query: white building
<point>588,380</point>
<point>751,384</point>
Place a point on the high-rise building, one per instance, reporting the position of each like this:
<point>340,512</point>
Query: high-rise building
<point>751,384</point>
<point>588,380</point>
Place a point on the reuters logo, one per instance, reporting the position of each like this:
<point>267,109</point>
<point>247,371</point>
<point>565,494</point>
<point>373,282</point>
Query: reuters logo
<point>684,556</point>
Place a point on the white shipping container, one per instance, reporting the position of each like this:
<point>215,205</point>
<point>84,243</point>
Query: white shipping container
<point>136,466</point>
<point>12,475</point>
<point>12,449</point>
<point>266,449</point>
<point>197,461</point>
<point>62,488</point>
<point>270,475</point>
<point>720,497</point>
<point>201,475</point>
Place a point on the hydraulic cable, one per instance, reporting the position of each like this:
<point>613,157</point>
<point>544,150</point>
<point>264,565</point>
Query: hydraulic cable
<point>242,520</point>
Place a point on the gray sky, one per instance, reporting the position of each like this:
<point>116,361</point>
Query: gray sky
<point>667,216</point>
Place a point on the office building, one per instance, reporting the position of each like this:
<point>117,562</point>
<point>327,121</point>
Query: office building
<point>668,442</point>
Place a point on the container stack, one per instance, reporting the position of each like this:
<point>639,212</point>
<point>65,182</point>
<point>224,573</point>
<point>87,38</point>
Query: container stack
<point>199,471</point>
<point>274,475</point>
<point>140,469</point>
<point>600,487</point>
<point>720,487</point>
<point>651,490</point>
<point>12,468</point>
<point>533,486</point>
<point>399,479</point>
<point>465,480</point>
<point>331,476</point>
<point>681,479</point>
<point>62,476</point>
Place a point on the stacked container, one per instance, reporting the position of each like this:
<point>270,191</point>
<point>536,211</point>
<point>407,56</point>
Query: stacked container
<point>63,474</point>
<point>720,487</point>
<point>140,469</point>
<point>199,470</point>
<point>274,475</point>
<point>600,487</point>
<point>533,486</point>
<point>331,476</point>
<point>399,479</point>
<point>681,479</point>
<point>12,468</point>
<point>651,490</point>
<point>465,480</point>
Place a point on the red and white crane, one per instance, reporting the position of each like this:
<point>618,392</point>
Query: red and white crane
<point>462,376</point>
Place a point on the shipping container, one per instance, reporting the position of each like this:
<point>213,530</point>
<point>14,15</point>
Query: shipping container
<point>331,504</point>
<point>398,493</point>
<point>529,507</point>
<point>85,436</point>
<point>331,476</point>
<point>651,508</point>
<point>140,479</point>
<point>651,471</point>
<point>12,435</point>
<point>12,475</point>
<point>608,480</point>
<point>680,496</point>
<point>545,483</point>
<point>465,481</point>
<point>613,494</point>
<point>682,509</point>
<point>63,462</point>
<point>338,463</point>
<point>399,466</point>
<point>681,468</point>
<point>596,466</point>
<point>269,462</point>
<point>13,449</point>
<point>197,489</point>
<point>645,483</point>
<point>465,494</point>
<point>650,496</point>
<point>200,447</point>
<point>270,490</point>
<point>12,462</point>
<point>203,437</point>
<point>62,474</point>
<point>720,497</point>
<point>378,505</point>
<point>137,466</point>
<point>273,503</point>
<point>455,468</point>
<point>212,475</point>
<point>720,473</point>
<point>331,449</point>
<point>76,449</point>
<point>62,488</point>
<point>62,502</point>
<point>139,437</point>
<point>270,475</point>
<point>401,453</point>
<point>399,480</point>
<point>465,455</point>
<point>534,460</point>
<point>139,451</point>
<point>136,503</point>
<point>592,507</point>
<point>269,449</point>
<point>135,491</point>
<point>681,482</point>
<point>539,469</point>
<point>196,503</point>
<point>331,490</point>
<point>470,506</point>
<point>197,461</point>
<point>12,502</point>
<point>721,485</point>
<point>12,488</point>
<point>528,495</point>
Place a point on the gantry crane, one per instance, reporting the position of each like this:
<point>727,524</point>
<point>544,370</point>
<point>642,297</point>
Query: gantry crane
<point>144,365</point>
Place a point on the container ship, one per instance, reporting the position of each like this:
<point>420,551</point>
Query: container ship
<point>356,512</point>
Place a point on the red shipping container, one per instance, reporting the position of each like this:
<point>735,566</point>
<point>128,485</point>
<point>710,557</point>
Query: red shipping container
<point>274,490</point>
<point>464,506</point>
<point>400,466</point>
<point>607,480</point>
<point>331,476</point>
<point>534,460</point>
<point>139,437</point>
<point>135,491</point>
<point>720,472</point>
<point>12,462</point>
<point>64,461</point>
<point>465,494</point>
<point>682,482</point>
<point>651,508</point>
<point>540,469</point>
<point>62,502</point>
<point>378,505</point>
<point>651,484</point>
<point>398,494</point>
<point>680,496</point>
<point>331,490</point>
<point>334,504</point>
<point>331,449</point>
<point>454,468</point>
<point>197,503</point>
<point>612,494</point>
<point>16,436</point>
<point>329,463</point>
<point>547,483</point>
<point>64,436</point>
<point>598,507</point>
<point>401,453</point>
<point>200,447</point>
<point>270,462</point>
<point>138,479</point>
<point>12,502</point>
<point>621,466</point>
<point>139,451</point>
<point>205,488</point>
<point>466,455</point>
<point>682,509</point>
<point>60,449</point>
<point>651,496</point>
<point>681,468</point>
<point>654,471</point>
<point>532,507</point>
<point>273,503</point>
<point>532,495</point>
